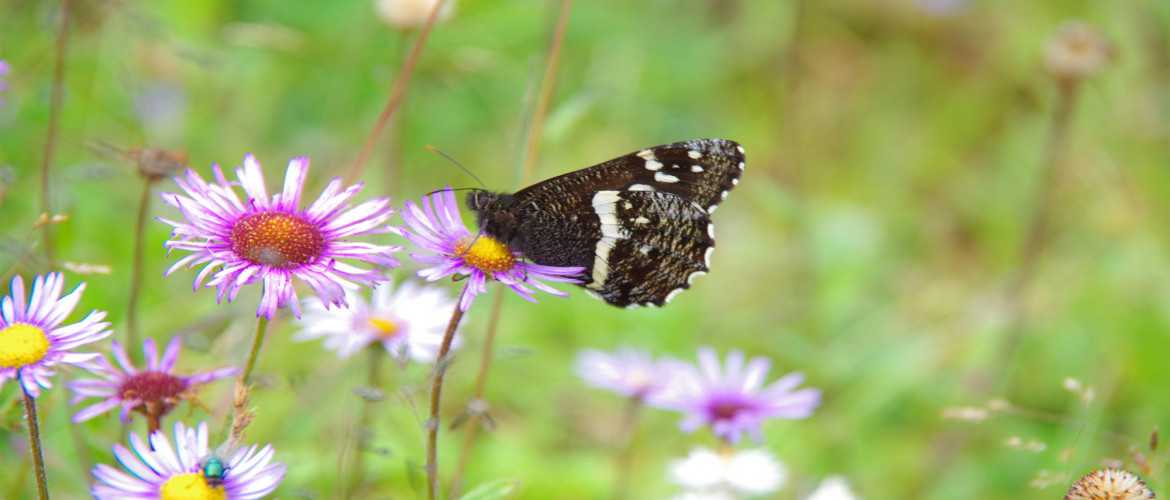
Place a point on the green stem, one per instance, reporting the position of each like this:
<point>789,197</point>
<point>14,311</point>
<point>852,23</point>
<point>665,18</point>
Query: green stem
<point>625,458</point>
<point>34,446</point>
<point>440,369</point>
<point>257,341</point>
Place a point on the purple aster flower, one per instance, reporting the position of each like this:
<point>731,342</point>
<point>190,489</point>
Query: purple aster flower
<point>409,322</point>
<point>629,372</point>
<point>437,227</point>
<point>181,470</point>
<point>272,240</point>
<point>153,392</point>
<point>732,399</point>
<point>32,339</point>
<point>4,68</point>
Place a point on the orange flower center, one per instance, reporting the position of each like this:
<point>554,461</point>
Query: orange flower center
<point>486,254</point>
<point>384,328</point>
<point>277,239</point>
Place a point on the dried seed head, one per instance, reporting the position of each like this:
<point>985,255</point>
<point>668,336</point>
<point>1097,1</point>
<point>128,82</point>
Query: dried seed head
<point>1076,52</point>
<point>1109,484</point>
<point>155,164</point>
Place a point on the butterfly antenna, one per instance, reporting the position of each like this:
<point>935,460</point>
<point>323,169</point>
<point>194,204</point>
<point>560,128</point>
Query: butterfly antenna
<point>456,163</point>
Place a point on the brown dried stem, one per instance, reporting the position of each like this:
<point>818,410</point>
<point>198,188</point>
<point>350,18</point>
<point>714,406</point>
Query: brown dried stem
<point>397,93</point>
<point>136,266</point>
<point>56,96</point>
<point>440,369</point>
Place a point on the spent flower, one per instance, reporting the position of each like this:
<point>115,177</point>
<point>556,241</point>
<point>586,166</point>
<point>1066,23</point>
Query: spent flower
<point>154,391</point>
<point>1110,484</point>
<point>272,240</point>
<point>436,227</point>
<point>33,340</point>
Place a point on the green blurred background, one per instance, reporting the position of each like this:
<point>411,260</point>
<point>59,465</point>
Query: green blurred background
<point>896,152</point>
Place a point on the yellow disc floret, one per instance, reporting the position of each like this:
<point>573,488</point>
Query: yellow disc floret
<point>383,327</point>
<point>486,254</point>
<point>22,344</point>
<point>190,486</point>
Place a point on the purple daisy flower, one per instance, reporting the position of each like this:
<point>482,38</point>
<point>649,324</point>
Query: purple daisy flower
<point>272,240</point>
<point>732,399</point>
<point>162,470</point>
<point>153,392</point>
<point>629,372</point>
<point>32,339</point>
<point>437,227</point>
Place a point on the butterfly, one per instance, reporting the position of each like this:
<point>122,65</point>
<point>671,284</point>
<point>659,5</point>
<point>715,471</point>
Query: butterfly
<point>639,224</point>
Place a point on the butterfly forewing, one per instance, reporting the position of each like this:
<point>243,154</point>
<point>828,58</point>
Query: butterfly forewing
<point>639,224</point>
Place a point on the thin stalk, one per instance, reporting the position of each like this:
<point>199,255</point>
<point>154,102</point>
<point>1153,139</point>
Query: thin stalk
<point>532,153</point>
<point>1038,230</point>
<point>624,460</point>
<point>441,363</point>
<point>397,93</point>
<point>56,96</point>
<point>153,418</point>
<point>257,341</point>
<point>34,446</point>
<point>365,420</point>
<point>473,421</point>
<point>136,267</point>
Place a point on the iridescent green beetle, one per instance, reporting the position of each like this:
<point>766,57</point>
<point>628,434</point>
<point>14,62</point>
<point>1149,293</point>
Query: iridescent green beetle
<point>214,471</point>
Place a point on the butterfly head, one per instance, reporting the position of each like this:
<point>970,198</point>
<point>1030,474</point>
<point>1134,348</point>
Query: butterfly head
<point>493,213</point>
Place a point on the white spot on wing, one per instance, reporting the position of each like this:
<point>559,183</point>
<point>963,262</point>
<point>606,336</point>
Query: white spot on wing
<point>741,164</point>
<point>644,250</point>
<point>640,187</point>
<point>641,220</point>
<point>603,206</point>
<point>665,178</point>
<point>735,181</point>
<point>740,149</point>
<point>646,154</point>
<point>694,154</point>
<point>696,168</point>
<point>707,257</point>
<point>691,278</point>
<point>711,209</point>
<point>711,230</point>
<point>673,293</point>
<point>653,165</point>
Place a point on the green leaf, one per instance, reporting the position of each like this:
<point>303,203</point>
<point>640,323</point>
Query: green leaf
<point>491,490</point>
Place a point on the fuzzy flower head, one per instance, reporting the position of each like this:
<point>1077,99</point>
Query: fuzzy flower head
<point>32,338</point>
<point>732,399</point>
<point>729,472</point>
<point>187,469</point>
<point>1077,51</point>
<point>628,372</point>
<point>272,240</point>
<point>409,322</point>
<point>407,14</point>
<point>1109,484</point>
<point>154,391</point>
<point>437,227</point>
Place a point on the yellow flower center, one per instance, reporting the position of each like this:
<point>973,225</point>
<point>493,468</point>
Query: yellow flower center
<point>190,486</point>
<point>385,328</point>
<point>486,254</point>
<point>22,344</point>
<point>277,239</point>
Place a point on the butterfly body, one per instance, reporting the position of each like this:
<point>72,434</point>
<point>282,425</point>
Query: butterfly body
<point>639,224</point>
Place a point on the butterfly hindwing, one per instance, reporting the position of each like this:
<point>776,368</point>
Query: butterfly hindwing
<point>639,224</point>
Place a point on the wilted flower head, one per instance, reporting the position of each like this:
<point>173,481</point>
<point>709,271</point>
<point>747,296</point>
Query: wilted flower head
<point>732,399</point>
<point>832,488</point>
<point>272,240</point>
<point>154,391</point>
<point>628,372</point>
<point>409,322</point>
<point>1077,51</point>
<point>1109,484</point>
<point>437,227</point>
<point>404,14</point>
<point>743,472</point>
<point>32,339</point>
<point>187,469</point>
